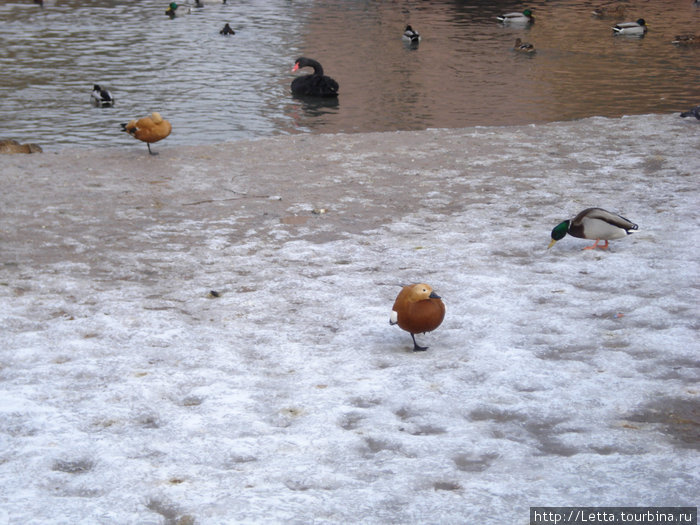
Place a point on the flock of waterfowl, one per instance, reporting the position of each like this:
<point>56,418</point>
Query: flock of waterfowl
<point>417,308</point>
<point>153,128</point>
<point>636,28</point>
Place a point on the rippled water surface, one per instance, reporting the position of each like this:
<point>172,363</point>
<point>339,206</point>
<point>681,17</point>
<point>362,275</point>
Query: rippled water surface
<point>215,88</point>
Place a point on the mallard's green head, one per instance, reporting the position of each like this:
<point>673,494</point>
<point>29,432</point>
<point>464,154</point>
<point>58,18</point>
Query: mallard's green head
<point>559,232</point>
<point>527,12</point>
<point>173,6</point>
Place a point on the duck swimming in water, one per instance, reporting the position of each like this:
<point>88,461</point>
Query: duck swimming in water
<point>314,85</point>
<point>517,18</point>
<point>101,97</point>
<point>170,11</point>
<point>523,47</point>
<point>410,35</point>
<point>610,11</point>
<point>594,223</point>
<point>686,40</point>
<point>637,28</point>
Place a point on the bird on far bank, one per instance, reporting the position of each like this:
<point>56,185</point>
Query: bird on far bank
<point>517,18</point>
<point>410,36</point>
<point>523,47</point>
<point>148,129</point>
<point>594,224</point>
<point>417,309</point>
<point>314,85</point>
<point>101,97</point>
<point>637,28</point>
<point>695,112</point>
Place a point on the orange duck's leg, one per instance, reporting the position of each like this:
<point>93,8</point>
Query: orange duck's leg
<point>417,348</point>
<point>595,245</point>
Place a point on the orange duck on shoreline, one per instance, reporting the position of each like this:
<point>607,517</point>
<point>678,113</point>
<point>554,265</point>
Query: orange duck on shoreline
<point>417,309</point>
<point>148,129</point>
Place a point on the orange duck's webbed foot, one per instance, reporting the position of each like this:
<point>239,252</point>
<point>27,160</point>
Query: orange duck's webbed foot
<point>417,348</point>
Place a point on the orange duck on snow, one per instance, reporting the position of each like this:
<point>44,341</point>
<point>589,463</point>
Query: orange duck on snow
<point>149,129</point>
<point>417,309</point>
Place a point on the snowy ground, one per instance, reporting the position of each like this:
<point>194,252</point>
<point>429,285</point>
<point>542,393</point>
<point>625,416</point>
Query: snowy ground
<point>130,394</point>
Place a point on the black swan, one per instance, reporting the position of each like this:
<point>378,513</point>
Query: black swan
<point>314,85</point>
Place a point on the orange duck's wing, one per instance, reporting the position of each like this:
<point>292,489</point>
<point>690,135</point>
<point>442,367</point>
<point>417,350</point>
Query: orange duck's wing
<point>424,316</point>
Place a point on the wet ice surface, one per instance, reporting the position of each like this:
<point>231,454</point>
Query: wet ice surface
<point>559,377</point>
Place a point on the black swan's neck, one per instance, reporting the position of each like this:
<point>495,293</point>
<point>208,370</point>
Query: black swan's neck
<point>308,62</point>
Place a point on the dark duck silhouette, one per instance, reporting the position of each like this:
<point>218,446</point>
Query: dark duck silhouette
<point>695,112</point>
<point>227,30</point>
<point>315,85</point>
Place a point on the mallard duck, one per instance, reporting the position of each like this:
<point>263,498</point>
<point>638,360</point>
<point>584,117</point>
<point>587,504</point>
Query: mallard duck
<point>523,47</point>
<point>695,112</point>
<point>148,129</point>
<point>610,11</point>
<point>410,35</point>
<point>686,40</point>
<point>101,96</point>
<point>170,11</point>
<point>417,309</point>
<point>227,30</point>
<point>314,85</point>
<point>594,223</point>
<point>631,28</point>
<point>517,18</point>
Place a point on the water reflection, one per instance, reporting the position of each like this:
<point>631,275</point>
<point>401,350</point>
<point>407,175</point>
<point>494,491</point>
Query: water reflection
<point>315,106</point>
<point>215,88</point>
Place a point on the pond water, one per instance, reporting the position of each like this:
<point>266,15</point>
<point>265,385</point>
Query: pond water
<point>216,88</point>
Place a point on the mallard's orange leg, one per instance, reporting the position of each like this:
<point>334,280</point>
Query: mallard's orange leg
<point>595,245</point>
